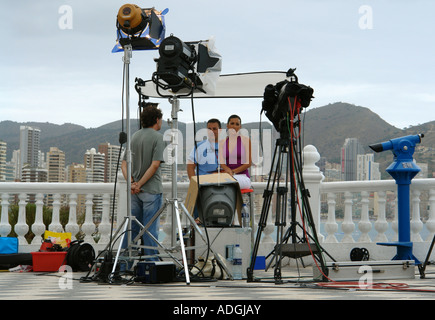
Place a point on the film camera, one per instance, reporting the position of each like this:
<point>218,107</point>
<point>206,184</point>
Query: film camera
<point>285,98</point>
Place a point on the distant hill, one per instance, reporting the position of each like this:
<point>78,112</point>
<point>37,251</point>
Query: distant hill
<point>325,127</point>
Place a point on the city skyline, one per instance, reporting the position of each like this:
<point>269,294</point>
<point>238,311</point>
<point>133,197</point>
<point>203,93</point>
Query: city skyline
<point>100,163</point>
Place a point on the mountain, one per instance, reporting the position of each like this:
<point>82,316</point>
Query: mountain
<point>325,127</point>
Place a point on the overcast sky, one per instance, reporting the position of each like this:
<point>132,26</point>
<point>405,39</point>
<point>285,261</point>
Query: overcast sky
<point>376,54</point>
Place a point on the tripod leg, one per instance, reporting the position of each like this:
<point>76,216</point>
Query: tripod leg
<point>180,235</point>
<point>422,268</point>
<point>267,196</point>
<point>281,213</point>
<point>120,244</point>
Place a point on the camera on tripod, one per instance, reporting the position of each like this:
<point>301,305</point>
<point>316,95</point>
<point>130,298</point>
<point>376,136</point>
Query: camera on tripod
<point>285,99</point>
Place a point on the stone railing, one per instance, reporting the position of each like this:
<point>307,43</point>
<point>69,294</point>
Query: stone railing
<point>347,214</point>
<point>62,194</point>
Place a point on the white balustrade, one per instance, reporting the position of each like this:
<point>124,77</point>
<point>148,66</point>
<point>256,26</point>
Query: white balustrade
<point>355,211</point>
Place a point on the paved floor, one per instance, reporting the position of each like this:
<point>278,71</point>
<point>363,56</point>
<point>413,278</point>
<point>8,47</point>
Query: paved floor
<point>297,285</point>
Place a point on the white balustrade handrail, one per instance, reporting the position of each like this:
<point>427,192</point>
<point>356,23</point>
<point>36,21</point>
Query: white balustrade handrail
<point>55,187</point>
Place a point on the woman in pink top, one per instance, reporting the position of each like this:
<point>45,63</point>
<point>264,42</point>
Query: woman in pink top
<point>235,152</point>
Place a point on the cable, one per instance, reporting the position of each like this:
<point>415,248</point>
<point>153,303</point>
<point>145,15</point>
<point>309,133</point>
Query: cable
<point>197,180</point>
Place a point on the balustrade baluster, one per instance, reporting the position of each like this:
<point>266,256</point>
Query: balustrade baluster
<point>348,226</point>
<point>38,227</point>
<point>416,223</point>
<point>381,224</point>
<point>364,225</point>
<point>430,223</point>
<point>72,225</point>
<point>5,227</point>
<point>88,227</point>
<point>331,226</point>
<point>55,224</point>
<point>269,228</point>
<point>105,226</point>
<point>21,228</point>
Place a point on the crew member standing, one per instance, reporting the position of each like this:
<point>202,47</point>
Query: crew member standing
<point>147,148</point>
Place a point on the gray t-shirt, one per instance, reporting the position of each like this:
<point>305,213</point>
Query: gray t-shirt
<point>147,146</point>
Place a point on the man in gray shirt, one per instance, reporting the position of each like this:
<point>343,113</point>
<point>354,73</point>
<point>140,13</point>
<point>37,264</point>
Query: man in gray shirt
<point>147,148</point>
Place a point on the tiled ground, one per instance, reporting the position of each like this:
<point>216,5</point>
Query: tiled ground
<point>47,286</point>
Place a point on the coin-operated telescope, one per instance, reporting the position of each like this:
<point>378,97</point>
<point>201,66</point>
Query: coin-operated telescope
<point>403,169</point>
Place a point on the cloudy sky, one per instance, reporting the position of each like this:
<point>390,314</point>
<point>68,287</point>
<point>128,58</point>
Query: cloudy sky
<point>57,64</point>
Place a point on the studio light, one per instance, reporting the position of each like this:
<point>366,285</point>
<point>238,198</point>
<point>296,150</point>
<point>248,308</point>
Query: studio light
<point>175,65</point>
<point>143,28</point>
<point>187,65</point>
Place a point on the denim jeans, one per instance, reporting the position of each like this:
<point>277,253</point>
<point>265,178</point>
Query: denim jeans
<point>144,206</point>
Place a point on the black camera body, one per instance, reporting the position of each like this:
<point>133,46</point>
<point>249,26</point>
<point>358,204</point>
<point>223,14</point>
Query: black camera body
<point>285,98</point>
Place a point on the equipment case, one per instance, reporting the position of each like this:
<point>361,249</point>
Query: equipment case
<point>379,270</point>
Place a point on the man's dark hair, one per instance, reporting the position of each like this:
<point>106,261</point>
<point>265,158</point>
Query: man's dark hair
<point>213,120</point>
<point>150,114</point>
<point>234,116</point>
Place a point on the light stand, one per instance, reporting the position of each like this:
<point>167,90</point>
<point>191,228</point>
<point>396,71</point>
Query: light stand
<point>127,56</point>
<point>126,225</point>
<point>139,29</point>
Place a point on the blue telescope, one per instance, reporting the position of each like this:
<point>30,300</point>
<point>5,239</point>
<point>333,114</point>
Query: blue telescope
<point>403,169</point>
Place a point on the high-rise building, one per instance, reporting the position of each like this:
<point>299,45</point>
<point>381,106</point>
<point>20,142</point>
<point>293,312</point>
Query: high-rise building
<point>10,172</point>
<point>3,147</point>
<point>29,148</point>
<point>368,169</point>
<point>56,165</point>
<point>111,164</point>
<point>56,171</point>
<point>29,174</point>
<point>349,158</point>
<point>94,165</point>
<point>77,173</point>
<point>15,163</point>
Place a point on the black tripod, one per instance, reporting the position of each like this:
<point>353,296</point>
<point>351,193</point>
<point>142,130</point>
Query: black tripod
<point>288,162</point>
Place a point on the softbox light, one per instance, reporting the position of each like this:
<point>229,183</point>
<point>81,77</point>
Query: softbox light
<point>217,204</point>
<point>235,86</point>
<point>143,28</point>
